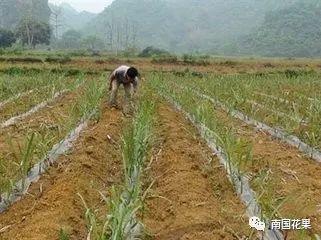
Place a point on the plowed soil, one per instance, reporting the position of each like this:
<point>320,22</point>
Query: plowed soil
<point>292,181</point>
<point>191,199</point>
<point>53,204</point>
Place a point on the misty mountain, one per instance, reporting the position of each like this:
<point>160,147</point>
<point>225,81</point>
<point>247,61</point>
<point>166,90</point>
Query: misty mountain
<point>12,11</point>
<point>69,18</point>
<point>294,31</point>
<point>180,25</point>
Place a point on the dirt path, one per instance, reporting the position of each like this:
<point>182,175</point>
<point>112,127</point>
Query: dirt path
<point>53,204</point>
<point>190,199</point>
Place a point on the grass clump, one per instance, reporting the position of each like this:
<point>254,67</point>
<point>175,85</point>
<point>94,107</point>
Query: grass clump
<point>63,235</point>
<point>90,99</point>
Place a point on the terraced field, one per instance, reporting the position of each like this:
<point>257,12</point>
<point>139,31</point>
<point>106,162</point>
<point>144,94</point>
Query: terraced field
<point>194,157</point>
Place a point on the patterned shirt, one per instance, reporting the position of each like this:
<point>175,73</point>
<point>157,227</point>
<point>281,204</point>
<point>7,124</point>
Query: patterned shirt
<point>119,75</point>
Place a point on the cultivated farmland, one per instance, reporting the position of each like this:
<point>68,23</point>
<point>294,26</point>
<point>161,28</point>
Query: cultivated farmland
<point>204,146</point>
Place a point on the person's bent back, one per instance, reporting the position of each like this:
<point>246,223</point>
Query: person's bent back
<point>126,76</point>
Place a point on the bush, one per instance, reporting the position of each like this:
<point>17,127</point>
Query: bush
<point>153,52</point>
<point>20,71</point>
<point>7,38</point>
<point>130,52</point>
<point>289,73</point>
<point>194,60</point>
<point>22,59</point>
<point>78,53</point>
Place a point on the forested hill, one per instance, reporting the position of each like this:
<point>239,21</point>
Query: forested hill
<point>294,31</point>
<point>180,25</point>
<point>70,18</point>
<point>12,11</point>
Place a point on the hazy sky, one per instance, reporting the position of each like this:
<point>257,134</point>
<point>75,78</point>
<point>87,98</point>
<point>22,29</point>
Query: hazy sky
<point>88,5</point>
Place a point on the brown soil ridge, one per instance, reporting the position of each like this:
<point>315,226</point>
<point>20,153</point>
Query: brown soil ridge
<point>191,199</point>
<point>53,204</point>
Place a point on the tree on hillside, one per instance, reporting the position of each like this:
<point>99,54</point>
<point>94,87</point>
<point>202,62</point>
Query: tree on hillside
<point>7,38</point>
<point>290,32</point>
<point>32,32</point>
<point>119,34</point>
<point>71,39</point>
<point>55,18</point>
<point>13,11</point>
<point>93,43</point>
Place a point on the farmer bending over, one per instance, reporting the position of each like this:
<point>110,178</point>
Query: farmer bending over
<point>126,76</point>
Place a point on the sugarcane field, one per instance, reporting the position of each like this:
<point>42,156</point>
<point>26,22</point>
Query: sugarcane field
<point>112,129</point>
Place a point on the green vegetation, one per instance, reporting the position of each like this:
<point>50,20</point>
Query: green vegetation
<point>153,52</point>
<point>73,39</point>
<point>125,201</point>
<point>13,11</point>
<point>280,100</point>
<point>227,135</point>
<point>31,32</point>
<point>63,235</point>
<point>270,28</point>
<point>14,84</point>
<point>171,25</point>
<point>32,144</point>
<point>7,38</point>
<point>69,18</point>
<point>238,150</point>
<point>289,32</point>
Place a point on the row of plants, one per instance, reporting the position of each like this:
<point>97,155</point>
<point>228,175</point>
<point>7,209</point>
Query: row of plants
<point>26,101</point>
<point>297,111</point>
<point>35,139</point>
<point>12,85</point>
<point>125,201</point>
<point>237,147</point>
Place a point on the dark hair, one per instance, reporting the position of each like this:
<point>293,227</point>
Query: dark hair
<point>132,72</point>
